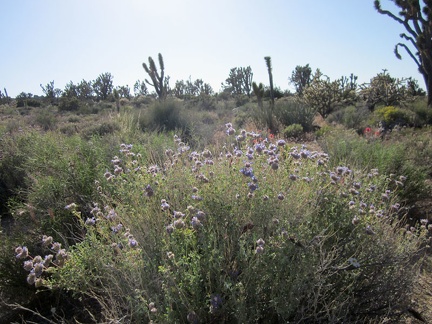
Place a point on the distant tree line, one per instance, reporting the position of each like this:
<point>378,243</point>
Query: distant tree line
<point>315,89</point>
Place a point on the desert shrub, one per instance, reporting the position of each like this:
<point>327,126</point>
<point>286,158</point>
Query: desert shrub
<point>392,116</point>
<point>100,129</point>
<point>140,101</point>
<point>68,129</point>
<point>350,117</point>
<point>164,116</point>
<point>40,175</point>
<point>322,131</point>
<point>27,100</point>
<point>74,119</point>
<point>423,114</point>
<point>12,125</point>
<point>262,116</point>
<point>124,102</point>
<point>45,119</point>
<point>88,108</point>
<point>390,157</point>
<point>202,102</point>
<point>292,111</point>
<point>256,232</point>
<point>293,131</point>
<point>69,104</point>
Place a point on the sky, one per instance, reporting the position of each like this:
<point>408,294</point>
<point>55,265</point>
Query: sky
<point>73,40</point>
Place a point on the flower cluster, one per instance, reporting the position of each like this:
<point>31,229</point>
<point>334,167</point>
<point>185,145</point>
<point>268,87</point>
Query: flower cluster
<point>38,264</point>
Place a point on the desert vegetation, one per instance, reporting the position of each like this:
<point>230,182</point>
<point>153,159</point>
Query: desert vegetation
<point>182,205</point>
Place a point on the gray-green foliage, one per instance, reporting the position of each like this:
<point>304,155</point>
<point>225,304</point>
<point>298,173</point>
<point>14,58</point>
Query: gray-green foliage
<point>292,110</point>
<point>386,90</point>
<point>293,131</point>
<point>327,96</point>
<point>355,117</point>
<point>164,116</point>
<point>192,238</point>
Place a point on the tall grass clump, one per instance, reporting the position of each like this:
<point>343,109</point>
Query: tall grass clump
<point>164,116</point>
<point>256,231</point>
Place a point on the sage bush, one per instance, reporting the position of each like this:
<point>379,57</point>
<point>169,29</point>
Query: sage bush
<point>255,230</point>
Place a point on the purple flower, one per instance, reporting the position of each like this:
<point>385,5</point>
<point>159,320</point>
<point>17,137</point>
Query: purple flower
<point>22,252</point>
<point>56,246</point>
<point>46,240</point>
<point>179,223</point>
<point>47,260</point>
<point>117,228</point>
<point>247,172</point>
<point>200,215</point>
<point>215,302</point>
<point>230,131</point>
<point>31,278</point>
<point>90,221</point>
<point>111,214</point>
<point>38,269</point>
<point>148,191</point>
<point>169,229</point>
<point>252,186</point>
<point>281,142</point>
<point>132,243</point>
<point>196,222</point>
<point>293,177</point>
<point>28,265</point>
<point>178,214</point>
<point>164,205</point>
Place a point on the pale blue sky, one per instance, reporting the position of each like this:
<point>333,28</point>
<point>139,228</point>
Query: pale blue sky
<point>71,40</point>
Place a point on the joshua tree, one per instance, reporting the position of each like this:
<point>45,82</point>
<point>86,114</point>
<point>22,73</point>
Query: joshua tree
<point>247,76</point>
<point>259,92</point>
<point>270,120</point>
<point>51,93</point>
<point>301,78</point>
<point>103,86</point>
<point>158,81</point>
<point>269,68</point>
<point>417,20</point>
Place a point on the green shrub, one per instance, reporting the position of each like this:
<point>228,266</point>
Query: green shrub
<point>100,129</point>
<point>322,131</point>
<point>40,175</point>
<point>290,111</point>
<point>211,237</point>
<point>293,131</point>
<point>46,119</point>
<point>69,104</point>
<point>393,116</point>
<point>390,157</point>
<point>165,116</point>
<point>350,117</point>
<point>423,114</point>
